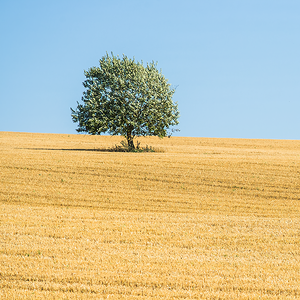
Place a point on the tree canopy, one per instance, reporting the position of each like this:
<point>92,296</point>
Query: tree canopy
<point>124,97</point>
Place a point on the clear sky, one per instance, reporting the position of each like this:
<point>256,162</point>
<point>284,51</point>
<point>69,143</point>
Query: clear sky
<point>236,64</point>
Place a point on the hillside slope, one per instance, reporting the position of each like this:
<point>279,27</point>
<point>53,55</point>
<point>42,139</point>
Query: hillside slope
<point>205,218</point>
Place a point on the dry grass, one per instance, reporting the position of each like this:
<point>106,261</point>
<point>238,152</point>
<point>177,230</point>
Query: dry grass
<point>205,219</point>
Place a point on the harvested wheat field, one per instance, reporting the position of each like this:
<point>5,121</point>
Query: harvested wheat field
<point>199,219</point>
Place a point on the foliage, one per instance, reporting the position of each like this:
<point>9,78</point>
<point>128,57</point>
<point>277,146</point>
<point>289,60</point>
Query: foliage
<point>125,98</point>
<point>125,148</point>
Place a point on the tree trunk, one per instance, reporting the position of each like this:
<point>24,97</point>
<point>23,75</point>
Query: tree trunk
<point>129,138</point>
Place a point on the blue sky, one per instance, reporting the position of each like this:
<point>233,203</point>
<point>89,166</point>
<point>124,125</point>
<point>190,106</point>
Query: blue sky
<point>236,63</point>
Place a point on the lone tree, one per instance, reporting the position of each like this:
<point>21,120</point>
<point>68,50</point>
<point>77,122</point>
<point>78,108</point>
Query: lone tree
<point>123,97</point>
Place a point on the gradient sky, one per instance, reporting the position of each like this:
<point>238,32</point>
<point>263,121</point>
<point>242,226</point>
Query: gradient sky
<point>236,64</point>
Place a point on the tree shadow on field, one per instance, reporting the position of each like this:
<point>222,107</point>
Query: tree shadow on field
<point>114,149</point>
<point>74,149</point>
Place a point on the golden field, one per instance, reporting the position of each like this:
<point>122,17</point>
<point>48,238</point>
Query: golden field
<point>201,219</point>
